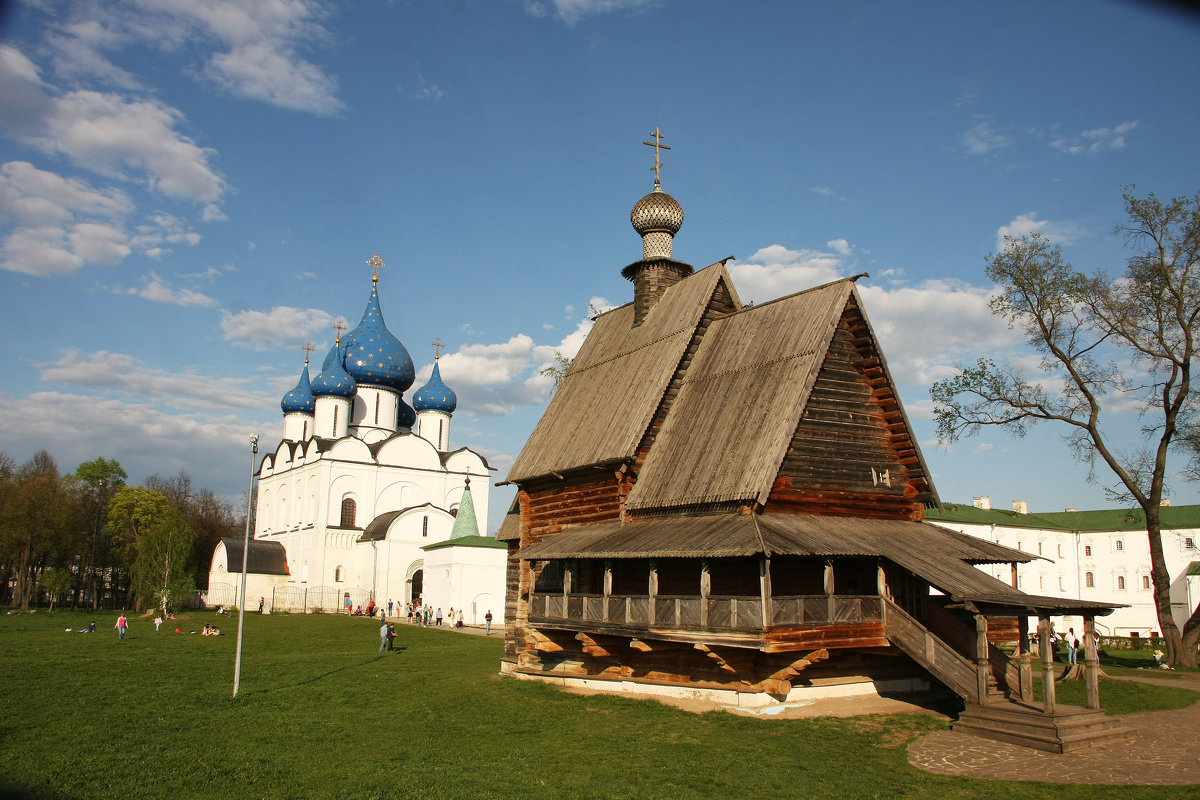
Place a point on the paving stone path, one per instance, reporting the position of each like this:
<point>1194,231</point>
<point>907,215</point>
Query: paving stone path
<point>1164,750</point>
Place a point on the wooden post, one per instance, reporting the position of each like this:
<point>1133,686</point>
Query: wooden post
<point>829,587</point>
<point>653,589</point>
<point>764,587</point>
<point>1025,656</point>
<point>982,667</point>
<point>607,590</point>
<point>705,591</point>
<point>1047,655</point>
<point>1091,661</point>
<point>1014,575</point>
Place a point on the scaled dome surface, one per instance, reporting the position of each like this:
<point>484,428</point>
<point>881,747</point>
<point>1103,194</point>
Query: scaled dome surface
<point>374,357</point>
<point>657,211</point>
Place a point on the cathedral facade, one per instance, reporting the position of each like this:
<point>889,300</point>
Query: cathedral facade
<point>363,499</point>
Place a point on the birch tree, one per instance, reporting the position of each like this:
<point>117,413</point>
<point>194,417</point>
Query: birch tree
<point>1104,341</point>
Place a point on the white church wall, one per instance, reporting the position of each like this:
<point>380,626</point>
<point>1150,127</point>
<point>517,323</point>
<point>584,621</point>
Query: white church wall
<point>467,578</point>
<point>410,452</point>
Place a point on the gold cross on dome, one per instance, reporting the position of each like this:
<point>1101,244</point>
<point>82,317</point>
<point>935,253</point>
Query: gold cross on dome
<point>438,346</point>
<point>657,145</point>
<point>340,327</point>
<point>375,263</point>
<point>307,348</point>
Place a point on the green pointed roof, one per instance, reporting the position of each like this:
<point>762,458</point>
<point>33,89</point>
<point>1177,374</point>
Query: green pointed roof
<point>464,523</point>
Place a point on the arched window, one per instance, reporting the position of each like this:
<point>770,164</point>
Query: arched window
<point>1087,550</point>
<point>1089,580</point>
<point>425,526</point>
<point>339,575</point>
<point>348,509</point>
<point>1119,545</point>
<point>1120,581</point>
<point>1145,581</point>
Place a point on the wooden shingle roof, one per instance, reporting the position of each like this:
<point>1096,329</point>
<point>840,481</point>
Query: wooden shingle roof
<point>735,414</point>
<point>615,383</point>
<point>941,557</point>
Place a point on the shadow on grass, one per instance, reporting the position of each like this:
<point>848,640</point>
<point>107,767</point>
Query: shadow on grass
<point>320,677</point>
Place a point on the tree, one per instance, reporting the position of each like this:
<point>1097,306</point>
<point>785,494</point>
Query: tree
<point>1103,341</point>
<point>97,481</point>
<point>558,370</point>
<point>132,511</point>
<point>33,523</point>
<point>161,573</point>
<point>55,581</point>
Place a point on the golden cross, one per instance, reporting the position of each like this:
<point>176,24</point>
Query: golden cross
<point>308,348</point>
<point>339,326</point>
<point>438,346</point>
<point>375,262</point>
<point>657,145</point>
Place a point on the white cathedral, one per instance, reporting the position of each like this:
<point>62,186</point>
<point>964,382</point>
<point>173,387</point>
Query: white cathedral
<point>363,499</point>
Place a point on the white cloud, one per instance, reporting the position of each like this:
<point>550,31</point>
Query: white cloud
<point>981,139</point>
<point>157,290</point>
<point>775,271</point>
<point>571,11</point>
<point>422,89</point>
<point>282,326</point>
<point>122,374</point>
<point>1064,233</point>
<point>32,196</point>
<point>1094,141</point>
<point>839,246</point>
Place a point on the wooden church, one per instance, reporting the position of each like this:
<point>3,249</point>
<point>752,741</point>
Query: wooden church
<point>726,501</point>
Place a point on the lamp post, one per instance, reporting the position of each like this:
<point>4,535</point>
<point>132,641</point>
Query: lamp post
<point>237,659</point>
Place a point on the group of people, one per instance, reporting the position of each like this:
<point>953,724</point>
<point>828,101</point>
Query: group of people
<point>426,616</point>
<point>387,636</point>
<point>211,630</point>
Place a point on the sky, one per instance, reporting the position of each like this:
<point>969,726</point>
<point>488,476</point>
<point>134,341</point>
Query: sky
<point>190,190</point>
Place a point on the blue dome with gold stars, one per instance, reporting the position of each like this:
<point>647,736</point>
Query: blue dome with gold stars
<point>300,399</point>
<point>406,417</point>
<point>435,395</point>
<point>374,357</point>
<point>334,380</point>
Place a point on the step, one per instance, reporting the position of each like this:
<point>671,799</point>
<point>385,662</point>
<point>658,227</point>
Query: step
<point>1070,728</point>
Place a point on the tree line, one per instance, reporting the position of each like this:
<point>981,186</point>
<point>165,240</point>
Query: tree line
<point>87,539</point>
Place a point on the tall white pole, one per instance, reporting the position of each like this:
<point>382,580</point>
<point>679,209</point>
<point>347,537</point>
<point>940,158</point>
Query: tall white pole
<point>237,659</point>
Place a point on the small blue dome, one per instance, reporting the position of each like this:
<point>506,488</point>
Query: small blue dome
<point>374,357</point>
<point>435,395</point>
<point>300,400</point>
<point>334,381</point>
<point>406,417</point>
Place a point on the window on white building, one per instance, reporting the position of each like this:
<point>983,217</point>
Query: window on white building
<point>1061,587</point>
<point>339,575</point>
<point>1121,582</point>
<point>1087,549</point>
<point>348,509</point>
<point>1039,548</point>
<point>1041,582</point>
<point>1119,545</point>
<point>425,526</point>
<point>1060,552</point>
<point>1145,581</point>
<point>1089,580</point>
<point>1189,543</point>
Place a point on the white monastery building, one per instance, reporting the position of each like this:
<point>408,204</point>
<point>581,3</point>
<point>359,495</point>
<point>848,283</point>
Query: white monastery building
<point>363,499</point>
<point>1097,556</point>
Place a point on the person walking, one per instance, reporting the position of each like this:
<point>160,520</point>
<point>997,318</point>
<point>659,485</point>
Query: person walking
<point>391,636</point>
<point>383,637</point>
<point>389,608</point>
<point>121,625</point>
<point>487,618</point>
<point>439,617</point>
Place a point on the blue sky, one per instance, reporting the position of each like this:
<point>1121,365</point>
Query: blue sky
<point>190,190</point>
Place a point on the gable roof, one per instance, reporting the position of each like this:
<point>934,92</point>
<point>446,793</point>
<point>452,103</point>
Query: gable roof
<point>728,429</point>
<point>266,558</point>
<point>614,385</point>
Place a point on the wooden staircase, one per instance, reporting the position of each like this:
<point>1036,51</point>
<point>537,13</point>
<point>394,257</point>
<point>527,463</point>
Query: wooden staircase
<point>996,714</point>
<point>1068,729</point>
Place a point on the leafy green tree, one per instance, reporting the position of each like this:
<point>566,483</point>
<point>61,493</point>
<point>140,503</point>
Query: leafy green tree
<point>33,523</point>
<point>55,581</point>
<point>558,370</point>
<point>131,512</point>
<point>161,573</point>
<point>1104,342</point>
<point>209,517</point>
<point>96,482</point>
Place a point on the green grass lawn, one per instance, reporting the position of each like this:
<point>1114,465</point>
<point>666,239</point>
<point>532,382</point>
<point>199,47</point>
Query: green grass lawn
<point>322,714</point>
